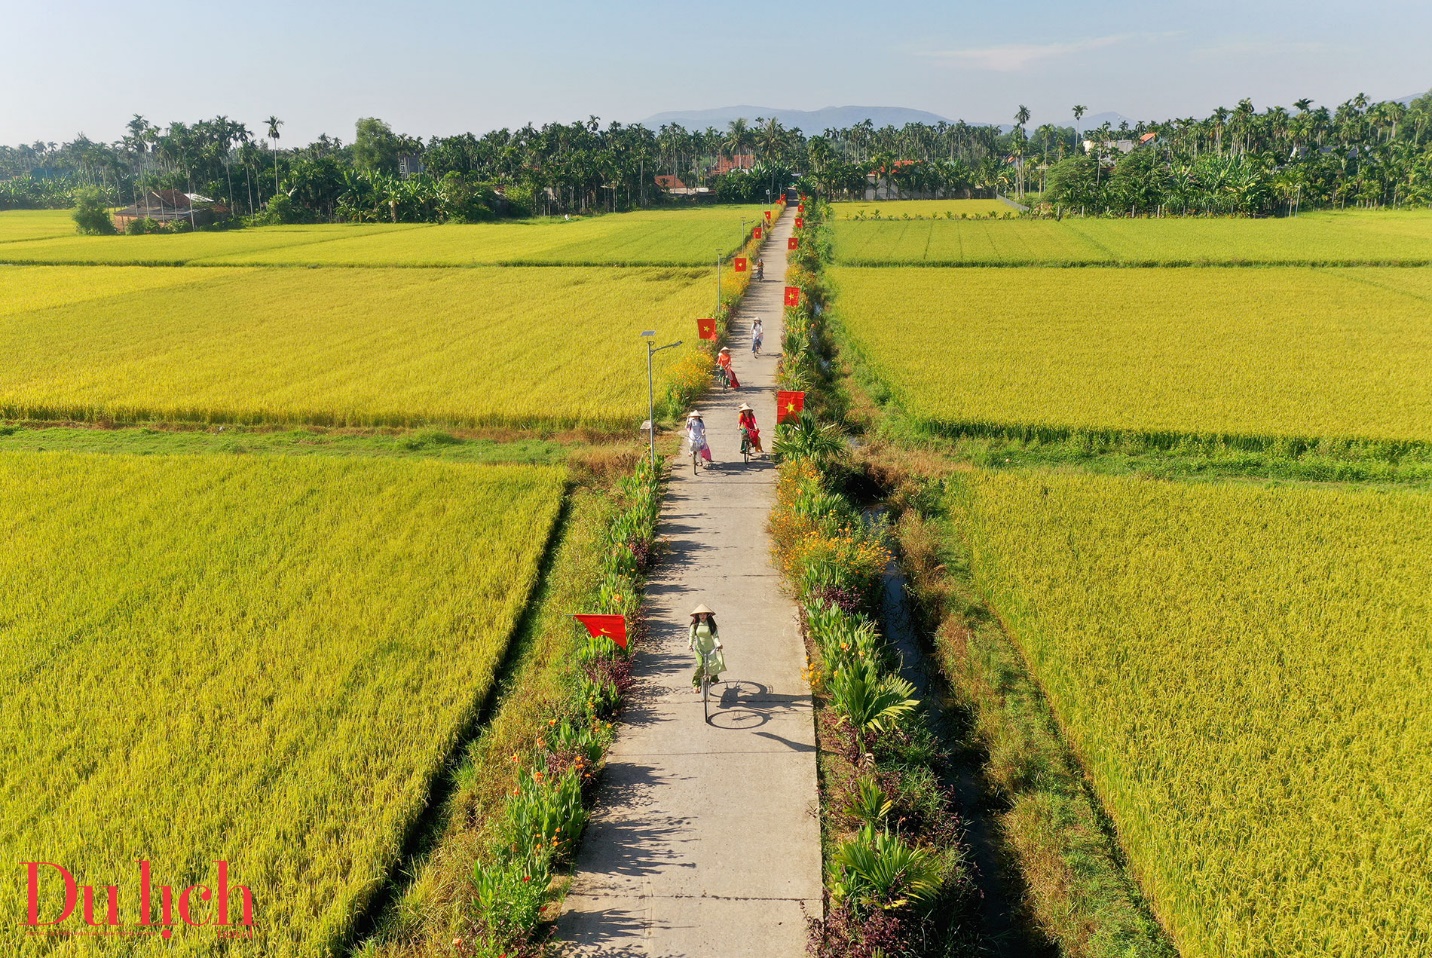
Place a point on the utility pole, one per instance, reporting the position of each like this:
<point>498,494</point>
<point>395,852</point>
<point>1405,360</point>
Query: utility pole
<point>651,351</point>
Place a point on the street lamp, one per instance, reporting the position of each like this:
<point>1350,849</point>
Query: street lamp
<point>651,351</point>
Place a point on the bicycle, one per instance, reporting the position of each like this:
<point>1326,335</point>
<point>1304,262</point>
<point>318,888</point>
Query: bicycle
<point>755,346</point>
<point>695,458</point>
<point>746,446</point>
<point>706,681</point>
<point>723,374</point>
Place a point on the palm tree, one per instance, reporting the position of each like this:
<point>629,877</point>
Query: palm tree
<point>738,140</point>
<point>1079,111</point>
<point>273,124</point>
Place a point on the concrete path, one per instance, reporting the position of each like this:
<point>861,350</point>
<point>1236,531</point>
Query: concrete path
<point>706,839</point>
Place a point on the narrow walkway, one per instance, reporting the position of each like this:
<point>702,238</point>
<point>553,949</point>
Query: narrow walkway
<point>706,841</point>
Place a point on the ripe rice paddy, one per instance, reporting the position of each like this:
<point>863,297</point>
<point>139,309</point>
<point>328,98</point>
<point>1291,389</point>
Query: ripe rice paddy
<point>20,225</point>
<point>918,209</point>
<point>520,347</point>
<point>1279,352</point>
<point>1356,237</point>
<point>263,660</point>
<point>654,237</point>
<point>1244,673</point>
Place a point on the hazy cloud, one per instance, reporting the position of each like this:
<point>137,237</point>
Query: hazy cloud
<point>1010,57</point>
<point>1240,47</point>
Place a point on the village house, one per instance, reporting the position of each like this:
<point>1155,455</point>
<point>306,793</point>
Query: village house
<point>167,206</point>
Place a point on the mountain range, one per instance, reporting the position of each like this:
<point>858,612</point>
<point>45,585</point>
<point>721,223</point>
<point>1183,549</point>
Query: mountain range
<point>812,122</point>
<point>807,121</point>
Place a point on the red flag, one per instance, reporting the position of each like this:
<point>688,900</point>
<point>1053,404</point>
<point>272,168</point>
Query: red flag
<point>706,329</point>
<point>612,626</point>
<point>800,207</point>
<point>740,262</point>
<point>800,222</point>
<point>793,295</point>
<point>789,405</point>
<point>768,216</point>
<point>792,242</point>
<point>756,233</point>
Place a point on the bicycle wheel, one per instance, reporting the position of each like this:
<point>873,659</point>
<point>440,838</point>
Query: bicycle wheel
<point>695,460</point>
<point>705,694</point>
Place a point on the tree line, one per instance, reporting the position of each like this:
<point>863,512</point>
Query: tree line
<point>1238,161</point>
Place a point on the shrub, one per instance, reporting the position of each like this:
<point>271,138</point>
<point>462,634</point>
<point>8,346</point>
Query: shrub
<point>91,213</point>
<point>875,870</point>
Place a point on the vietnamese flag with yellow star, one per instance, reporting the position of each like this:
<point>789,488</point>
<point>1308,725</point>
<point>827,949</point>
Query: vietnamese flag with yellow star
<point>768,216</point>
<point>800,207</point>
<point>793,242</point>
<point>756,233</point>
<point>789,405</point>
<point>793,295</point>
<point>611,626</point>
<point>740,263</point>
<point>800,222</point>
<point>706,329</point>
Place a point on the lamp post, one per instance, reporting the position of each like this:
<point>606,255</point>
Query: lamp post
<point>651,351</point>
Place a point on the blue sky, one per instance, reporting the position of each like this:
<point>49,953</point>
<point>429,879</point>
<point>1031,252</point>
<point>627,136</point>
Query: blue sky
<point>432,67</point>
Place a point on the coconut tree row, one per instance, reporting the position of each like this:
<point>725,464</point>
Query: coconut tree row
<point>1240,161</point>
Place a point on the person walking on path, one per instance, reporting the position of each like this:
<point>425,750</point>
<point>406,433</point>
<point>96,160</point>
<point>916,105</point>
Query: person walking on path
<point>724,361</point>
<point>705,641</point>
<point>696,435</point>
<point>747,422</point>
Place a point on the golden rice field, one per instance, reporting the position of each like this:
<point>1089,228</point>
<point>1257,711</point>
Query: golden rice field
<point>1288,352</point>
<point>18,225</point>
<point>263,660</point>
<point>549,347</point>
<point>1246,675</point>
<point>898,209</point>
<point>1394,238</point>
<point>656,237</point>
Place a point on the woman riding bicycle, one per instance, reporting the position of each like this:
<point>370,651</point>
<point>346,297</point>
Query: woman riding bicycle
<point>749,431</point>
<point>724,361</point>
<point>758,336</point>
<point>705,641</point>
<point>696,435</point>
